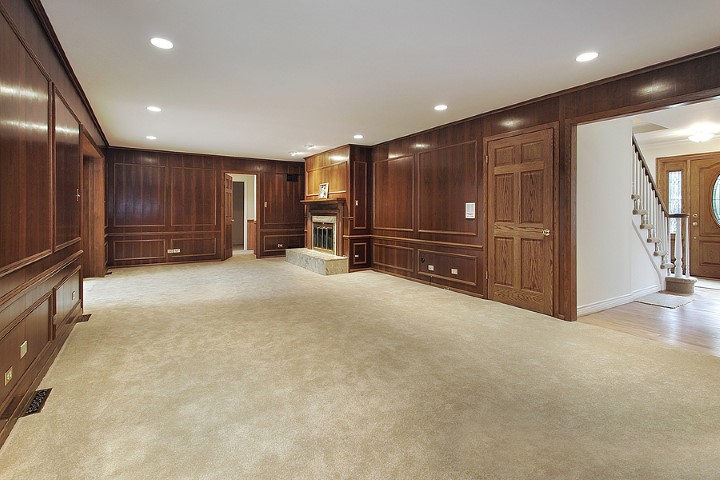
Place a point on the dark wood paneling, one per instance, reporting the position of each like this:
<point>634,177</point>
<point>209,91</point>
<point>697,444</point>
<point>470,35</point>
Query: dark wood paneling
<point>448,179</point>
<point>360,195</point>
<point>140,250</point>
<point>277,243</point>
<point>393,257</point>
<point>138,193</point>
<point>68,175</point>
<point>359,254</point>
<point>67,297</point>
<point>194,247</point>
<point>193,196</point>
<point>451,267</point>
<point>281,200</point>
<point>25,164</point>
<point>393,194</point>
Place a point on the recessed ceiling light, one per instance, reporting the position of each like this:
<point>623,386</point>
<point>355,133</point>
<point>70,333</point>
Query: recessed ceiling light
<point>161,43</point>
<point>153,108</point>
<point>440,107</point>
<point>310,147</point>
<point>701,137</point>
<point>358,137</point>
<point>151,137</point>
<point>586,57</point>
<point>295,154</point>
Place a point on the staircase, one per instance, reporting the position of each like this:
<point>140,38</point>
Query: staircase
<point>669,249</point>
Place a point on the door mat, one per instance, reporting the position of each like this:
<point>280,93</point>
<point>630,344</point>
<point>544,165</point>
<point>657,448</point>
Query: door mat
<point>708,283</point>
<point>665,300</point>
<point>84,318</point>
<point>38,402</point>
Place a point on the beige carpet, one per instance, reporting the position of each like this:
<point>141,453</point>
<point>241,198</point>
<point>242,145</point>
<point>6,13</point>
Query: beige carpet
<point>230,371</point>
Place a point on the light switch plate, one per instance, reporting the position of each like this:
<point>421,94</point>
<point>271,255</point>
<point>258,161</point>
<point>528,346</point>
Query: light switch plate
<point>431,268</point>
<point>453,271</point>
<point>8,376</point>
<point>470,210</point>
<point>23,349</point>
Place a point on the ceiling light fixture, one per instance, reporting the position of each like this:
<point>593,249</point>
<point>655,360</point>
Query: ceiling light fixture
<point>700,137</point>
<point>295,154</point>
<point>153,108</point>
<point>161,43</point>
<point>310,147</point>
<point>151,137</point>
<point>586,57</point>
<point>441,107</point>
<point>357,136</point>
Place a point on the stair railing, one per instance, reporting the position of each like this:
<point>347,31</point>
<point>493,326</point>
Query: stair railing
<point>654,214</point>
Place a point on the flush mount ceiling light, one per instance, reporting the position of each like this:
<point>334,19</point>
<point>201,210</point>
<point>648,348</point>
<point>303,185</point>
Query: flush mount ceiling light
<point>161,43</point>
<point>153,108</point>
<point>701,137</point>
<point>586,57</point>
<point>440,107</point>
<point>357,136</point>
<point>151,137</point>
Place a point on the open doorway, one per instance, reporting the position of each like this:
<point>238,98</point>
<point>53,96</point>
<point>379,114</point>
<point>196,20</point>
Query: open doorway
<point>240,214</point>
<point>635,173</point>
<point>94,259</point>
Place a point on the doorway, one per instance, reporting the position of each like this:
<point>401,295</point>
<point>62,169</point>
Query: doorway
<point>240,214</point>
<point>691,183</point>
<point>94,259</point>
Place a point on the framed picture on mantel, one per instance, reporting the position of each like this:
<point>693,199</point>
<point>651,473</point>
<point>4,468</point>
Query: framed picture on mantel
<point>324,189</point>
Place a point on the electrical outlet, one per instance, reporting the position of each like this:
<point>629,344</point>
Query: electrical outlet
<point>453,271</point>
<point>431,268</point>
<point>280,245</point>
<point>23,349</point>
<point>73,295</point>
<point>173,250</point>
<point>8,376</point>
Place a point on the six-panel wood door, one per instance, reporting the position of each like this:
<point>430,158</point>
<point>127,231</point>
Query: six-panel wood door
<point>705,217</point>
<point>520,219</point>
<point>228,249</point>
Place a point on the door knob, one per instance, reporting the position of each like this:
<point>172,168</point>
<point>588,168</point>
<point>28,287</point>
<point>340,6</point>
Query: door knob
<point>546,232</point>
<point>695,224</point>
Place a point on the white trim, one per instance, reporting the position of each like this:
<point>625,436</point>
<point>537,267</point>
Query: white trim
<point>617,301</point>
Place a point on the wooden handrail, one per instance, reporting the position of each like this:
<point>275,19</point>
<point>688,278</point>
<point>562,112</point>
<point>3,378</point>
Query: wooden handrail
<point>649,176</point>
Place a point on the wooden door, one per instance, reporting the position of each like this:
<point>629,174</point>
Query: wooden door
<point>228,250</point>
<point>520,220</point>
<point>705,217</point>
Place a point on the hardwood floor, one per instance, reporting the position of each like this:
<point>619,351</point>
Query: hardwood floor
<point>695,326</point>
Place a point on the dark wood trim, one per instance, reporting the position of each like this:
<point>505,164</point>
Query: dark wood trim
<point>29,283</point>
<point>426,242</point>
<point>60,52</point>
<point>212,155</point>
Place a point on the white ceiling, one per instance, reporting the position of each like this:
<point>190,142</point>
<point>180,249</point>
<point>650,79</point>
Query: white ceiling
<point>675,125</point>
<point>262,78</point>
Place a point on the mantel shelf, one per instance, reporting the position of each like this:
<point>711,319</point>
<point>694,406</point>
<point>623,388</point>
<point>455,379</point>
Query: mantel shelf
<point>321,201</point>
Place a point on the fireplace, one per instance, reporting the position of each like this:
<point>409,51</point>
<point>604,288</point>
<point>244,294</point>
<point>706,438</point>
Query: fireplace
<point>324,233</point>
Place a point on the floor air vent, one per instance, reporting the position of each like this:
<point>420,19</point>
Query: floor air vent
<point>38,401</point>
<point>85,318</point>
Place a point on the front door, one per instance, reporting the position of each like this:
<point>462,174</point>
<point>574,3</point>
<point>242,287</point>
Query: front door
<point>520,220</point>
<point>228,250</point>
<point>705,217</point>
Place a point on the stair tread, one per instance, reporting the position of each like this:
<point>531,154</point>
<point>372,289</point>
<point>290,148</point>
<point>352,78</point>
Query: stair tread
<point>647,226</point>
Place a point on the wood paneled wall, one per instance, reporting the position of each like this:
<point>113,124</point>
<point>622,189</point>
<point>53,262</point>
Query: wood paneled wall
<point>40,208</point>
<point>421,181</point>
<point>160,201</point>
<point>420,187</point>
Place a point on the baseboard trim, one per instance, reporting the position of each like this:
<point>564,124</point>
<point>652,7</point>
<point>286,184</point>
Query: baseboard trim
<point>616,301</point>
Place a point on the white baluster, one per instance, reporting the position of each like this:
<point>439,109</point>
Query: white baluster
<point>678,250</point>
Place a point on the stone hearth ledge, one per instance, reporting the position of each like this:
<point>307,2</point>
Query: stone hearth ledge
<point>318,262</point>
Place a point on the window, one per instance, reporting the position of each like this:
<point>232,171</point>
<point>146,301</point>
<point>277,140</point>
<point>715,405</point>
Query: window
<point>675,197</point>
<point>715,199</point>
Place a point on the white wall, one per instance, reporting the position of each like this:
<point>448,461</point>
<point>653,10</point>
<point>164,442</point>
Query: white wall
<point>613,266</point>
<point>249,193</point>
<point>652,152</point>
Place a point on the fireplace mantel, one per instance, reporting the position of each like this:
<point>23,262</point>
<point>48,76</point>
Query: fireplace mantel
<point>322,201</point>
